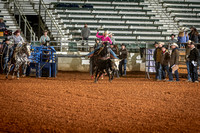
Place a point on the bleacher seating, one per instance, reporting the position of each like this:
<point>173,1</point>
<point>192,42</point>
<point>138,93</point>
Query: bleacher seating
<point>130,21</point>
<point>185,12</point>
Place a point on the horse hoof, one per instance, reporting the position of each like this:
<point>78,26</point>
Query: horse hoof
<point>110,81</point>
<point>95,81</point>
<point>23,76</point>
<point>18,78</point>
<point>13,77</point>
<point>6,77</point>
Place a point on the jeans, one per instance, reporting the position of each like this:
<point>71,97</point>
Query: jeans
<point>85,39</point>
<point>122,63</point>
<point>91,66</point>
<point>193,72</point>
<point>171,75</point>
<point>5,65</point>
<point>199,61</point>
<point>165,68</point>
<point>158,71</point>
<point>156,65</point>
<point>188,70</point>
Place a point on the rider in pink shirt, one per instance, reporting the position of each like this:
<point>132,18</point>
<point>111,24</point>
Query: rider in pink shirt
<point>104,37</point>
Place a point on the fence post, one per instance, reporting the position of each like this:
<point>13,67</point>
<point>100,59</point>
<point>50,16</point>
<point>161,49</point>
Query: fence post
<point>25,27</point>
<point>19,19</point>
<point>31,35</point>
<point>45,15</point>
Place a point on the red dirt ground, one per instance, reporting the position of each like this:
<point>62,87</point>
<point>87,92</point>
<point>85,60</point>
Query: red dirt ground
<point>73,103</point>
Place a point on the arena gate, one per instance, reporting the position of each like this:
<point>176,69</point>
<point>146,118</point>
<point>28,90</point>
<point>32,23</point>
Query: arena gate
<point>43,62</point>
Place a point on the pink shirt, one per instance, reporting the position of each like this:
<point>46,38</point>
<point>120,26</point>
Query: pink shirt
<point>103,38</point>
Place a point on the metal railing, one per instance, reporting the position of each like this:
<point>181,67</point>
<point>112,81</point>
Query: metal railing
<point>22,18</point>
<point>77,46</point>
<point>48,14</point>
<point>157,2</point>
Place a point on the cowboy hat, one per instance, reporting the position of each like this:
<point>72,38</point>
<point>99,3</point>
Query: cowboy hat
<point>174,44</point>
<point>106,32</point>
<point>161,43</point>
<point>172,35</point>
<point>189,41</point>
<point>181,29</point>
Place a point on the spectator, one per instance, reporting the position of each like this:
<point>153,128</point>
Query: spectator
<point>112,38</point>
<point>44,38</point>
<point>85,33</point>
<point>154,57</point>
<point>193,35</point>
<point>6,50</point>
<point>165,58</point>
<point>174,60</point>
<point>157,58</point>
<point>172,40</point>
<point>193,57</point>
<point>2,25</point>
<point>182,37</point>
<point>187,53</point>
<point>123,53</point>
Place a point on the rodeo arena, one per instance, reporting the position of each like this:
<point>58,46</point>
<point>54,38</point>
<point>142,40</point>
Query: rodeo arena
<point>106,66</point>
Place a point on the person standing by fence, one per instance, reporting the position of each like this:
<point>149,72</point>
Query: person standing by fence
<point>123,53</point>
<point>85,33</point>
<point>182,37</point>
<point>165,57</point>
<point>187,53</point>
<point>193,58</point>
<point>174,61</point>
<point>44,38</point>
<point>157,58</point>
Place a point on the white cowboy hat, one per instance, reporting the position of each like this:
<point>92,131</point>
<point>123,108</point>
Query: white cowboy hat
<point>106,32</point>
<point>161,43</point>
<point>189,41</point>
<point>174,44</point>
<point>181,29</point>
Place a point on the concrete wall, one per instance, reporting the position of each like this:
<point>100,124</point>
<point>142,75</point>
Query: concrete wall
<point>134,63</point>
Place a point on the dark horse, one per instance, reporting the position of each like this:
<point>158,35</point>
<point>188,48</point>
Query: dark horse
<point>19,58</point>
<point>103,63</point>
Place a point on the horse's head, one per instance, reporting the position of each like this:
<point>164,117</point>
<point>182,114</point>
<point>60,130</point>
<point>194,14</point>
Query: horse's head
<point>26,48</point>
<point>105,51</point>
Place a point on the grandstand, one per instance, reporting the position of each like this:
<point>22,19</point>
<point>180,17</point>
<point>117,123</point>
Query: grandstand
<point>138,23</point>
<point>132,21</point>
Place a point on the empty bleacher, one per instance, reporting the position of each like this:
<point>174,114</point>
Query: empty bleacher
<point>130,21</point>
<point>185,12</point>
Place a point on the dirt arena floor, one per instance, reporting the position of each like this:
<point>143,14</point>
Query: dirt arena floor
<point>73,103</point>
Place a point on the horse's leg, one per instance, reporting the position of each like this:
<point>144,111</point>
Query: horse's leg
<point>97,71</point>
<point>8,70</point>
<point>107,70</point>
<point>17,66</point>
<point>113,74</point>
<point>24,69</point>
<point>99,75</point>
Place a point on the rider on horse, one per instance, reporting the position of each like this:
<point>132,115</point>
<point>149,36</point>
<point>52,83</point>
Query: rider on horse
<point>105,39</point>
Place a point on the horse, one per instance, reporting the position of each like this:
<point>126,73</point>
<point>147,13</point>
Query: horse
<point>103,63</point>
<point>19,58</point>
